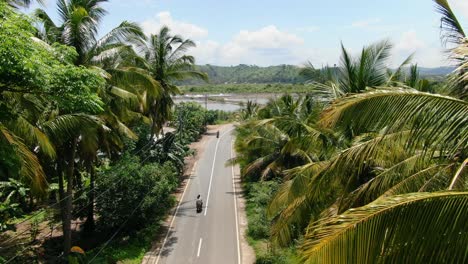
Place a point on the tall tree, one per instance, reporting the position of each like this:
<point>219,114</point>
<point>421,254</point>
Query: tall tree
<point>79,21</point>
<point>165,60</point>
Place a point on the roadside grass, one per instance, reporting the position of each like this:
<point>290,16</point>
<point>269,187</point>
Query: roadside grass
<point>258,233</point>
<point>129,248</point>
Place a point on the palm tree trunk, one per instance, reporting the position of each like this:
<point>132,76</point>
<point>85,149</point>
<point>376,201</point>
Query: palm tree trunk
<point>89,224</point>
<point>68,201</point>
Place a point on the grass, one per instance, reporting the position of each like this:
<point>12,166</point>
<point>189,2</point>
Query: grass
<point>128,249</point>
<point>258,197</point>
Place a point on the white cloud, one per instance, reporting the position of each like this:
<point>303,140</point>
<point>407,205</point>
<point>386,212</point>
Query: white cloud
<point>409,41</point>
<point>425,54</point>
<point>366,23</point>
<point>265,46</point>
<point>185,29</point>
<point>460,7</point>
<point>267,37</point>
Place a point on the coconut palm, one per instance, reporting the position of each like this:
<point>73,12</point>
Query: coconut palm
<point>356,74</point>
<point>79,21</point>
<point>418,143</point>
<point>23,3</point>
<point>165,60</point>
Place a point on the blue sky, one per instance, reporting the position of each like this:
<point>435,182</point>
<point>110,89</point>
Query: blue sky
<point>290,31</point>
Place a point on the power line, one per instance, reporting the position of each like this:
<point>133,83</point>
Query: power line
<point>118,230</point>
<point>82,208</point>
<point>61,200</point>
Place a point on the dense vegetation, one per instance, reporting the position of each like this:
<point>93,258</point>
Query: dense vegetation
<point>372,163</point>
<point>247,88</point>
<point>286,74</point>
<point>249,74</point>
<point>84,157</point>
<point>366,163</point>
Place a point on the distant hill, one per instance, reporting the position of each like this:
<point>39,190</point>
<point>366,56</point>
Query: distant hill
<point>252,74</point>
<point>249,74</point>
<point>440,71</point>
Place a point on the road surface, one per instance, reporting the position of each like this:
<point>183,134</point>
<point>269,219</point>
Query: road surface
<point>211,236</point>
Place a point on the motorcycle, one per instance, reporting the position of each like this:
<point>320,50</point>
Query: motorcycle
<point>199,204</point>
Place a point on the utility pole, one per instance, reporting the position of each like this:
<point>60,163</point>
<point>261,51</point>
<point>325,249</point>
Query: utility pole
<point>206,108</point>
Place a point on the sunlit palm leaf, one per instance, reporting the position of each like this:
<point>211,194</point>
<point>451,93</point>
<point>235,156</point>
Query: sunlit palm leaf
<point>31,170</point>
<point>410,228</point>
<point>453,31</point>
<point>438,121</point>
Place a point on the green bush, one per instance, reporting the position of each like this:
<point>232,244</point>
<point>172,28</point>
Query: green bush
<point>259,195</point>
<point>146,189</point>
<point>189,120</point>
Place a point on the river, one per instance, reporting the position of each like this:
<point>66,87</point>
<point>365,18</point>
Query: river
<point>225,102</point>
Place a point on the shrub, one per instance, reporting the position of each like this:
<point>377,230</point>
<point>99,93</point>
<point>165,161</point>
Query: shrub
<point>144,191</point>
<point>259,195</point>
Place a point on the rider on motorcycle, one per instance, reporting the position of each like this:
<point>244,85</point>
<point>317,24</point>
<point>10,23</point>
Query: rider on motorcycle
<point>199,203</point>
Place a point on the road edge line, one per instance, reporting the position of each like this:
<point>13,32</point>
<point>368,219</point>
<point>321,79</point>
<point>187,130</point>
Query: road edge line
<point>175,213</point>
<point>235,209</point>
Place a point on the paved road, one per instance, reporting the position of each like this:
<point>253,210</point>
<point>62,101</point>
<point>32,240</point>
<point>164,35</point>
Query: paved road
<point>212,235</point>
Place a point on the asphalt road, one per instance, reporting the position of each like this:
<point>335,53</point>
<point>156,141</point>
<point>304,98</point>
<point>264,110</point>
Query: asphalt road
<point>211,236</point>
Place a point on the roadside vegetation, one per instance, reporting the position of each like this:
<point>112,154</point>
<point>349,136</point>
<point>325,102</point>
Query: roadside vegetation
<point>87,166</point>
<point>356,161</point>
<point>371,163</point>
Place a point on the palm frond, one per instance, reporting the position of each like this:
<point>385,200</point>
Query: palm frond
<point>31,171</point>
<point>410,228</point>
<point>436,120</point>
<point>452,31</point>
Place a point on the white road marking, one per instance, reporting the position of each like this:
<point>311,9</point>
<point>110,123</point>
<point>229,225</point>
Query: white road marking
<point>199,247</point>
<point>235,209</point>
<point>212,170</point>
<point>211,177</point>
<point>175,213</point>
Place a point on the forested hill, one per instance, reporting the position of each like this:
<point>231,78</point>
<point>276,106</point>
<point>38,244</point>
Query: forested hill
<point>249,74</point>
<point>274,74</point>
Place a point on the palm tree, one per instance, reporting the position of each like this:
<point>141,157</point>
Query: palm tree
<point>23,3</point>
<point>355,74</point>
<point>416,142</point>
<point>78,29</point>
<point>165,60</point>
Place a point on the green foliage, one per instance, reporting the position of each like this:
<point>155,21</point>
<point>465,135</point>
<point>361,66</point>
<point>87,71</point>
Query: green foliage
<point>28,65</point>
<point>189,120</point>
<point>217,116</point>
<point>248,88</point>
<point>410,228</point>
<point>250,74</point>
<point>258,198</point>
<point>149,185</point>
<point>167,149</point>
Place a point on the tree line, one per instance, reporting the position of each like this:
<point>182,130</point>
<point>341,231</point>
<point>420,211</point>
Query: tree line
<point>83,117</point>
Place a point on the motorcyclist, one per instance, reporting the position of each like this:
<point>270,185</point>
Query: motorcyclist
<point>199,203</point>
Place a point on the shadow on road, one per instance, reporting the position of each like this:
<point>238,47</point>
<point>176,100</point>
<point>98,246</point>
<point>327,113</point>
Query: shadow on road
<point>169,246</point>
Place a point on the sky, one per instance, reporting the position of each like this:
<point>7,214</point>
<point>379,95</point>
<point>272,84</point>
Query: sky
<point>273,32</point>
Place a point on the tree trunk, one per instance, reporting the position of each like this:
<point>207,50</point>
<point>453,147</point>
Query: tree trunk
<point>68,201</point>
<point>61,190</point>
<point>89,225</point>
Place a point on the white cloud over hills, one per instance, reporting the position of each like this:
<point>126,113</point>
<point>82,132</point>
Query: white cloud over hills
<point>270,45</point>
<point>265,46</point>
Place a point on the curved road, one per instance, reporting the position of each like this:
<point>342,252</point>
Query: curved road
<point>211,236</point>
